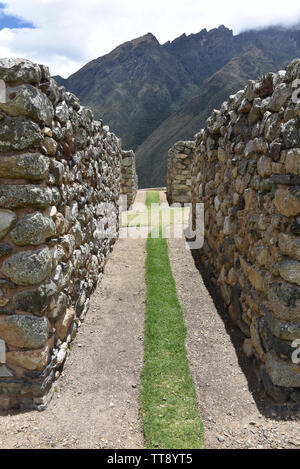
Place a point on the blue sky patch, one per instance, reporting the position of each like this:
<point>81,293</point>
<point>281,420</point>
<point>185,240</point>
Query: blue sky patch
<point>10,21</point>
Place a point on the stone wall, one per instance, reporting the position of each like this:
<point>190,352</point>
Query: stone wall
<point>129,177</point>
<point>180,159</point>
<point>247,173</point>
<point>60,179</point>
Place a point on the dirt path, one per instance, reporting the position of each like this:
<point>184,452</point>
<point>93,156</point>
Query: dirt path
<point>234,409</point>
<point>96,403</point>
<point>140,199</point>
<point>97,400</point>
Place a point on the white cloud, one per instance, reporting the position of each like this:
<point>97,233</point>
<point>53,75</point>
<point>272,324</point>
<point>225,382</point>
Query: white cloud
<point>69,33</point>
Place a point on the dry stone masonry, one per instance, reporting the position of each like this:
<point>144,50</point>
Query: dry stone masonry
<point>246,171</point>
<point>60,183</point>
<point>180,159</point>
<point>129,177</point>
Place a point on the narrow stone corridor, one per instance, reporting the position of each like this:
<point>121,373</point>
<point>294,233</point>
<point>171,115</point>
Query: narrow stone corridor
<point>96,400</point>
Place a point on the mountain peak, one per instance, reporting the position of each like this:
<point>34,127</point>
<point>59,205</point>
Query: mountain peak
<point>221,29</point>
<point>151,93</point>
<point>127,47</point>
<point>149,37</point>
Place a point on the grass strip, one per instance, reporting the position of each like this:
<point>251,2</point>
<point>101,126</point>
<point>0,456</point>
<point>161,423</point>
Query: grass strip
<point>152,197</point>
<point>169,403</point>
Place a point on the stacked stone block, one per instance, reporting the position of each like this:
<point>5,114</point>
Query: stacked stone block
<point>180,159</point>
<point>246,171</point>
<point>60,181</point>
<point>129,177</point>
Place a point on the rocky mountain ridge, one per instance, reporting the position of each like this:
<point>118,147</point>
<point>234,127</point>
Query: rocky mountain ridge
<point>153,94</point>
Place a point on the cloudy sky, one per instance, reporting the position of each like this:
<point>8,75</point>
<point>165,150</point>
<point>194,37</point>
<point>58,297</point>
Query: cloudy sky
<point>66,34</point>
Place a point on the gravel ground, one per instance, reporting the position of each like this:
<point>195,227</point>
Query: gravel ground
<point>96,403</point>
<point>233,406</point>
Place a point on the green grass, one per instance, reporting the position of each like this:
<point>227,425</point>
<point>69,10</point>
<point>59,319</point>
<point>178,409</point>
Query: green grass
<point>169,403</point>
<point>152,197</point>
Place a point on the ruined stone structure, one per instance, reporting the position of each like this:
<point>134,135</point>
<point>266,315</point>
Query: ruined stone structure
<point>246,171</point>
<point>60,183</point>
<point>180,159</point>
<point>129,177</point>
